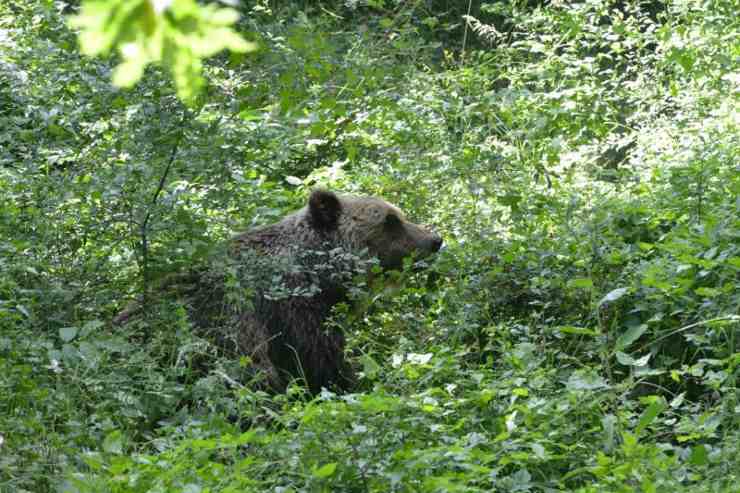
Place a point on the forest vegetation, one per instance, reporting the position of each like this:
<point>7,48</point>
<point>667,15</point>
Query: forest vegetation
<point>578,331</point>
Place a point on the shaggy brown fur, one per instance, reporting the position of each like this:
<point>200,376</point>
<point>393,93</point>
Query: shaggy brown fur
<point>293,273</point>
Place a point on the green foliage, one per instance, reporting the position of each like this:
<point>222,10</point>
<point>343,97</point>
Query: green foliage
<point>579,332</point>
<point>176,33</point>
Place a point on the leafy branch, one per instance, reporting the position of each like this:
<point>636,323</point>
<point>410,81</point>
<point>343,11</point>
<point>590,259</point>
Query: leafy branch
<point>179,34</point>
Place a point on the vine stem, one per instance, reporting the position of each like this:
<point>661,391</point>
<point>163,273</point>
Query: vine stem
<point>690,326</point>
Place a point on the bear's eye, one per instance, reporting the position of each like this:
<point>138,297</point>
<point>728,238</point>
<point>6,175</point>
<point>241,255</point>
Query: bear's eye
<point>392,221</point>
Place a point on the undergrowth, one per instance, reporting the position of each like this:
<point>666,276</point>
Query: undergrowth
<point>579,331</point>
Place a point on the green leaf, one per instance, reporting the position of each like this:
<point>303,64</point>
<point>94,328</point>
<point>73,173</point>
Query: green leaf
<point>657,405</point>
<point>708,292</point>
<point>581,282</point>
<point>512,200</point>
<point>586,380</point>
<point>369,366</point>
<point>90,327</point>
<point>608,423</point>
<point>224,17</point>
<point>642,361</point>
<point>67,333</point>
<point>375,403</point>
<point>538,450</point>
<point>128,72</point>
<point>698,455</point>
<point>624,359</point>
<point>485,396</point>
<point>628,360</point>
<point>251,114</point>
<point>326,470</point>
<point>630,336</point>
<point>23,310</point>
<point>569,329</point>
<point>684,58</point>
<point>113,443</point>
<point>613,295</point>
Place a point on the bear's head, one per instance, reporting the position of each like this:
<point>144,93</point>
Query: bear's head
<point>372,223</point>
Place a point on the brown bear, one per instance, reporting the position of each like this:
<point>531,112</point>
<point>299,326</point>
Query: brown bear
<point>269,295</point>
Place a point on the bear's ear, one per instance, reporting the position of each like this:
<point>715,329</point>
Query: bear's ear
<point>324,208</point>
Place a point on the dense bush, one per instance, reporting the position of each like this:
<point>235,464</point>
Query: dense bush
<point>578,332</point>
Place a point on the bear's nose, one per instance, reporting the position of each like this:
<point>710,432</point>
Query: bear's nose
<point>436,243</point>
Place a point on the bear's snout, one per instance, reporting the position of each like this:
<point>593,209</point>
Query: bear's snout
<point>435,243</point>
<point>431,242</point>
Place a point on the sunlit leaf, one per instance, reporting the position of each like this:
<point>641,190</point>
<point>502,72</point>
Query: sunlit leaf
<point>582,283</point>
<point>113,442</point>
<point>613,295</point>
<point>624,359</point>
<point>569,329</point>
<point>178,34</point>
<point>656,406</point>
<point>326,470</point>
